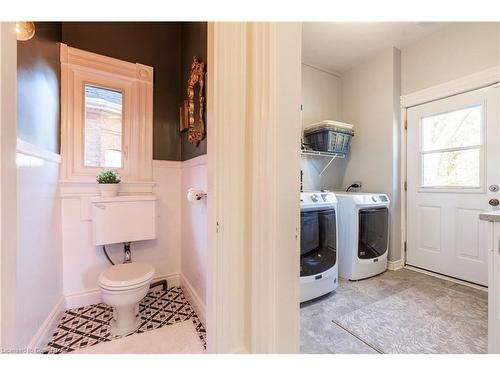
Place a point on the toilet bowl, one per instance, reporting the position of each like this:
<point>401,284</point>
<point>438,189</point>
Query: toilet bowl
<point>122,287</point>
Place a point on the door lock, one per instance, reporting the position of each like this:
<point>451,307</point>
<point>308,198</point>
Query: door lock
<point>494,202</point>
<point>493,188</point>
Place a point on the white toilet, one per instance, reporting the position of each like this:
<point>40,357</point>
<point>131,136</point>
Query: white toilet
<point>124,219</point>
<point>123,286</point>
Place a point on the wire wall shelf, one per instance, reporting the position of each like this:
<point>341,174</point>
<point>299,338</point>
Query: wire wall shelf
<point>323,154</point>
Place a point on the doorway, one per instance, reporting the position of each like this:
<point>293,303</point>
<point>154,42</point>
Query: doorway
<point>452,176</point>
<point>391,312</point>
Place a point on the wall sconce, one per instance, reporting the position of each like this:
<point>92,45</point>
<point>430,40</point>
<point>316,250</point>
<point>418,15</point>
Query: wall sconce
<point>25,30</point>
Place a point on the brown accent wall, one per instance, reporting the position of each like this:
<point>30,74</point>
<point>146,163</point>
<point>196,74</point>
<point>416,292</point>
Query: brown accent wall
<point>38,87</point>
<point>157,44</point>
<point>194,43</point>
<point>166,46</point>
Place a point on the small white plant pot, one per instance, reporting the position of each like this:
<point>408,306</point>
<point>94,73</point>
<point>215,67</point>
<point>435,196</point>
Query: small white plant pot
<point>109,190</point>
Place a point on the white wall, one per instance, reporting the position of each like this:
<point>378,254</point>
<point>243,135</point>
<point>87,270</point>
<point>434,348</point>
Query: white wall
<point>39,254</point>
<point>370,95</point>
<point>456,50</point>
<point>82,262</point>
<point>194,233</point>
<point>321,100</point>
<point>320,96</point>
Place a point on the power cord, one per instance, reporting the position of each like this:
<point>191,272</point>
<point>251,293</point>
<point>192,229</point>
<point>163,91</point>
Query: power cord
<point>353,186</point>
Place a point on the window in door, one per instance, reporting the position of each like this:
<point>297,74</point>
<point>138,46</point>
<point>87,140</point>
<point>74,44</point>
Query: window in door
<point>452,149</point>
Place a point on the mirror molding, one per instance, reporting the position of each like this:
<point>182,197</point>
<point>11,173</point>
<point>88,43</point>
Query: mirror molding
<point>196,131</point>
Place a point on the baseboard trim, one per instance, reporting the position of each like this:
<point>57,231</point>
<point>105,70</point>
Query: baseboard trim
<point>173,279</point>
<point>447,278</point>
<point>194,299</point>
<point>44,333</point>
<point>395,265</point>
<point>88,297</point>
<point>93,296</point>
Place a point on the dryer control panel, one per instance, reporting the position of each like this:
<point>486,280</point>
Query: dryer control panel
<point>371,199</point>
<point>364,199</point>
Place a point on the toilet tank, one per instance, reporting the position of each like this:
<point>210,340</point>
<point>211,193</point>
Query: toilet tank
<point>123,219</point>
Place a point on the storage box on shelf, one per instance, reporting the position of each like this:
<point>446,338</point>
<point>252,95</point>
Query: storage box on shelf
<point>329,136</point>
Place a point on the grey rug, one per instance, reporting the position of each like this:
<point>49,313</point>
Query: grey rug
<point>424,318</point>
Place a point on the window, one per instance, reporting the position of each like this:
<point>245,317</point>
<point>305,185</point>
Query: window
<point>103,127</point>
<point>451,149</point>
<point>106,121</point>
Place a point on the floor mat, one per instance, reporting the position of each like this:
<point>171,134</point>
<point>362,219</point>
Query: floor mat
<point>421,319</point>
<point>180,338</point>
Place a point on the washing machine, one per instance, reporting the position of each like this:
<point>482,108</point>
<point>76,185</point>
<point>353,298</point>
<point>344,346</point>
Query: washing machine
<point>318,244</point>
<point>363,234</point>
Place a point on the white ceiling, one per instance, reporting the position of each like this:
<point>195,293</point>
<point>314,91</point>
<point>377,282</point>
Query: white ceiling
<point>339,46</point>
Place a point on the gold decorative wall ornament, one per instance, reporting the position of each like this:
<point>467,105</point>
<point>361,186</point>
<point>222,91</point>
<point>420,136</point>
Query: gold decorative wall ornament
<point>183,116</point>
<point>196,132</point>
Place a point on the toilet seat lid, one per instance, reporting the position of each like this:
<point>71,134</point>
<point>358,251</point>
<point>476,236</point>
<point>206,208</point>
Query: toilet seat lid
<point>126,274</point>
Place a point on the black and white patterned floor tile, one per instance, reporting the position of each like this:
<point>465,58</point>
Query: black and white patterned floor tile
<point>89,325</point>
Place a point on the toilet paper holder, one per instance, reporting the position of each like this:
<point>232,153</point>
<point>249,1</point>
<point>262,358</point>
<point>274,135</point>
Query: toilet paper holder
<point>195,195</point>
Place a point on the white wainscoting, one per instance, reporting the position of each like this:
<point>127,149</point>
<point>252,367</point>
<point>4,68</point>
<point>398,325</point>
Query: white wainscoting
<point>38,288</point>
<point>194,299</point>
<point>194,234</point>
<point>82,262</point>
<point>44,333</point>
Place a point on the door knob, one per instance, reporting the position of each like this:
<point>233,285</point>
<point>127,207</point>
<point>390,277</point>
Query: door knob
<point>494,202</point>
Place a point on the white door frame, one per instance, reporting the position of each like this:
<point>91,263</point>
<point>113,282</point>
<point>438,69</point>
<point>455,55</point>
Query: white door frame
<point>275,129</point>
<point>226,107</point>
<point>253,123</point>
<point>8,177</point>
<point>462,85</point>
<point>458,86</point>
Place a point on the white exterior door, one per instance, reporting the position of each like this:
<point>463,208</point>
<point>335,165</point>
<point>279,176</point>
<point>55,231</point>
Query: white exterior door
<point>452,172</point>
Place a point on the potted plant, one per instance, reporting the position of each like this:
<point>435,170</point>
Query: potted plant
<point>108,183</point>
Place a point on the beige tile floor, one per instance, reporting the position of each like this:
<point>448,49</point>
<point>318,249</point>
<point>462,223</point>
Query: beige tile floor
<point>397,312</point>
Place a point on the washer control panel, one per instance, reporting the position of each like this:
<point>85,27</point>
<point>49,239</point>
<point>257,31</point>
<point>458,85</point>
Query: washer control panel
<point>317,199</point>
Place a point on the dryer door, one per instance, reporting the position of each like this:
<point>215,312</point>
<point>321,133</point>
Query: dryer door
<point>373,232</point>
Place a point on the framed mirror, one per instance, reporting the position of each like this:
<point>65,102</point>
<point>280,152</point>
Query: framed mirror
<point>196,103</point>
